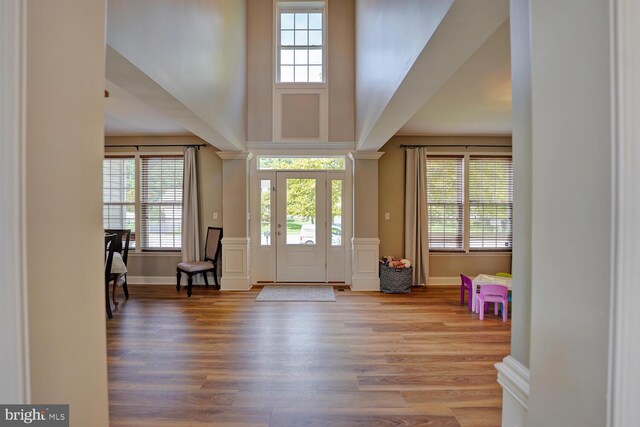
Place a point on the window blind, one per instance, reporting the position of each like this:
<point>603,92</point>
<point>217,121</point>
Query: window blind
<point>490,202</point>
<point>161,202</point>
<point>119,194</point>
<point>445,199</point>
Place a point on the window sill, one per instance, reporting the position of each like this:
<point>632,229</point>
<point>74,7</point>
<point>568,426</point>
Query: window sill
<point>300,85</point>
<point>470,253</point>
<point>156,253</point>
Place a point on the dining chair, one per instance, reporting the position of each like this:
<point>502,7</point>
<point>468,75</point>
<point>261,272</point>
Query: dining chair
<point>109,249</point>
<point>211,251</point>
<point>466,285</point>
<point>497,294</point>
<point>123,237</point>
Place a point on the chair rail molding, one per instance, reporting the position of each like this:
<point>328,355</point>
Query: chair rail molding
<point>624,347</point>
<point>236,271</point>
<point>14,352</point>
<point>365,253</point>
<point>514,379</point>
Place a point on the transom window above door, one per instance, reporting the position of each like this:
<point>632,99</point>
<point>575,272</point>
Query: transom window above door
<point>336,163</point>
<point>300,40</point>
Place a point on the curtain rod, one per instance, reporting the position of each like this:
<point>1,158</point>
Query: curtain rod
<point>137,146</point>
<point>412,146</point>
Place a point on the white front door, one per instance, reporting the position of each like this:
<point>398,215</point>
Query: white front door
<point>301,227</point>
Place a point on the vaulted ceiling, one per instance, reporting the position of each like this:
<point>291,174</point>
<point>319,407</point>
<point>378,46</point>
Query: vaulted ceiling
<point>429,67</point>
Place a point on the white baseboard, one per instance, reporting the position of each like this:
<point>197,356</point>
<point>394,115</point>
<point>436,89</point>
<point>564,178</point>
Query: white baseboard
<point>514,379</point>
<point>444,281</point>
<point>151,280</point>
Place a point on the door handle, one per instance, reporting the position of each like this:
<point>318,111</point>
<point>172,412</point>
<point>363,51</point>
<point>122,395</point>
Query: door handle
<point>279,233</point>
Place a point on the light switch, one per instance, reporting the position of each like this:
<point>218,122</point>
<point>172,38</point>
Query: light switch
<point>215,215</point>
<point>387,215</point>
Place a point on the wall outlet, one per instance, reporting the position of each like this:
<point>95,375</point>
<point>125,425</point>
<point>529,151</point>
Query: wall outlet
<point>215,215</point>
<point>387,215</point>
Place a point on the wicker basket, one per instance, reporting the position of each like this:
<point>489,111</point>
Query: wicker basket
<point>395,280</point>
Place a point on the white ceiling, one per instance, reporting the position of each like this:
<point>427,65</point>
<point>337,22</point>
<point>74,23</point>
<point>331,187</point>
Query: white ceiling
<point>477,97</point>
<point>185,57</point>
<point>124,114</point>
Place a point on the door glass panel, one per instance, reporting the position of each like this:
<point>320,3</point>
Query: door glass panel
<point>265,212</point>
<point>301,211</point>
<point>336,212</point>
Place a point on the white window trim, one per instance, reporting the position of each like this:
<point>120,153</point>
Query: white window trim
<point>466,238</point>
<point>306,7</point>
<point>137,155</point>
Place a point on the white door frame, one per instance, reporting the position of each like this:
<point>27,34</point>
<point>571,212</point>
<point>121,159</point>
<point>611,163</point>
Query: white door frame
<point>14,351</point>
<point>624,357</point>
<point>263,258</point>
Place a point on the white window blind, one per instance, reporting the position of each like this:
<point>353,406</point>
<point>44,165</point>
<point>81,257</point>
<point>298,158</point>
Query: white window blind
<point>161,202</point>
<point>490,202</point>
<point>119,194</point>
<point>445,198</point>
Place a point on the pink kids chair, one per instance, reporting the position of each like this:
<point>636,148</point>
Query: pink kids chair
<point>497,294</point>
<point>465,285</point>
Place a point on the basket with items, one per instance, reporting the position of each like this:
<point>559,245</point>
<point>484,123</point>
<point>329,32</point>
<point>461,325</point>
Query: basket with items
<point>396,275</point>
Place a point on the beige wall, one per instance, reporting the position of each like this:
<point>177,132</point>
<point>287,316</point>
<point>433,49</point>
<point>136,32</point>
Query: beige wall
<point>391,199</point>
<point>260,69</point>
<point>65,243</point>
<point>340,71</point>
<point>209,198</point>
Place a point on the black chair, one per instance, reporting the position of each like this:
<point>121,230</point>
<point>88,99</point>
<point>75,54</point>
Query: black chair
<point>211,251</point>
<point>109,249</point>
<point>123,237</point>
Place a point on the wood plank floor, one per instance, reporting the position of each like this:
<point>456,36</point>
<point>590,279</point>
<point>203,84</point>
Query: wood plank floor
<point>368,359</point>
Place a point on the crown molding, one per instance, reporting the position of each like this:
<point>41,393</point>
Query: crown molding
<point>235,155</point>
<point>365,155</point>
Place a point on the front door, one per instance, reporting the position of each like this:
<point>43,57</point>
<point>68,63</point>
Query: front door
<point>301,242</point>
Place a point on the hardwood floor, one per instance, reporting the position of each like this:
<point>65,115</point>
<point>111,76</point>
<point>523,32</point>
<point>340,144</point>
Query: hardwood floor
<point>368,359</point>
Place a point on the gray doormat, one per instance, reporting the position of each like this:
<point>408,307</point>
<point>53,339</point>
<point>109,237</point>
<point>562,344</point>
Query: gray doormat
<point>296,293</point>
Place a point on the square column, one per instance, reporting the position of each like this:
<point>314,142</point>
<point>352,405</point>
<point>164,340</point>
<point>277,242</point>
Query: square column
<point>236,266</point>
<point>365,245</point>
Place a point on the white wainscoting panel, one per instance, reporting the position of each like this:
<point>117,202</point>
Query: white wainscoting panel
<point>236,273</point>
<point>365,255</point>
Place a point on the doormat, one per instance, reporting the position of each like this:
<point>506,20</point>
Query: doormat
<point>296,293</point>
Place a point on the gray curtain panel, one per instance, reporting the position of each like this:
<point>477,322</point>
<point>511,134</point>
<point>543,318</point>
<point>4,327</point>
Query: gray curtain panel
<point>416,237</point>
<point>190,227</point>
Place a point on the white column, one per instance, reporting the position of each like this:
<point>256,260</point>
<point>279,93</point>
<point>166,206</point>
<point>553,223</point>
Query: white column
<point>513,372</point>
<point>365,245</point>
<point>236,265</point>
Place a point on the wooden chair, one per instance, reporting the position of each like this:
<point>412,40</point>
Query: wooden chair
<point>211,251</point>
<point>123,237</point>
<point>109,249</point>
